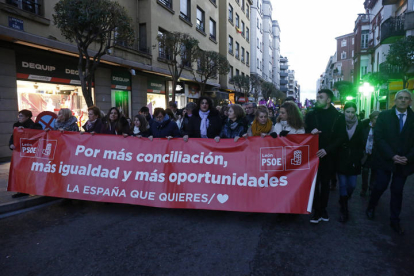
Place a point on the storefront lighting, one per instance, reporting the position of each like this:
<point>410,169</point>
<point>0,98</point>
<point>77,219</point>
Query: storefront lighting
<point>366,89</point>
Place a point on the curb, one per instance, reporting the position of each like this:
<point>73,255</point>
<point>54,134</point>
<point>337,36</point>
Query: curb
<point>24,203</point>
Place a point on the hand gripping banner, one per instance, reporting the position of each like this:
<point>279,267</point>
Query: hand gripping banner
<point>252,175</point>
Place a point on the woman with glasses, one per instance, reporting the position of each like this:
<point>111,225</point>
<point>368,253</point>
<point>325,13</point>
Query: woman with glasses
<point>163,126</point>
<point>205,121</point>
<point>114,123</point>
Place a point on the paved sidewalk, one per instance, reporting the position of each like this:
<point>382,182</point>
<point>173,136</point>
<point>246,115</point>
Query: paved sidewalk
<point>9,204</point>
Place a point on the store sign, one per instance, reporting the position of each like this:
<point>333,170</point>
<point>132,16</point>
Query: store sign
<point>47,67</point>
<point>156,85</point>
<point>121,79</point>
<point>16,23</point>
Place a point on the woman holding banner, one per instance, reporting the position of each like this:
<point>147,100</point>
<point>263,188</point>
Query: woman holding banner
<point>66,121</point>
<point>262,125</point>
<point>94,123</point>
<point>289,121</point>
<point>163,126</point>
<point>141,127</point>
<point>348,135</point>
<point>235,125</point>
<point>114,123</point>
<point>205,121</point>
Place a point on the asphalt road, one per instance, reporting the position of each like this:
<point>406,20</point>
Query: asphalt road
<point>87,238</point>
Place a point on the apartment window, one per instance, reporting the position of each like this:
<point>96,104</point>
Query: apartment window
<point>247,58</point>
<point>237,21</point>
<point>258,43</point>
<point>364,39</point>
<point>242,74</point>
<point>247,11</point>
<point>258,23</point>
<point>364,70</point>
<point>261,30</point>
<point>352,53</point>
<point>33,6</point>
<point>162,52</point>
<point>353,41</point>
<point>247,34</point>
<point>242,28</point>
<point>258,64</point>
<point>242,5</point>
<point>185,9</point>
<point>231,74</point>
<point>185,57</point>
<point>237,72</point>
<point>143,47</point>
<point>242,54</point>
<point>230,45</point>
<point>343,43</point>
<point>167,3</point>
<point>231,13</point>
<point>212,29</point>
<point>200,19</point>
<point>237,50</point>
<point>343,55</point>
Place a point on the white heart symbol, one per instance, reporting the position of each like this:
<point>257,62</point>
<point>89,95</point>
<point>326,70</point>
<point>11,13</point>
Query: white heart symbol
<point>222,198</point>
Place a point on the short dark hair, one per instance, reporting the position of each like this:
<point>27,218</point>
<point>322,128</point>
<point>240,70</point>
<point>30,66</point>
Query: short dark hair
<point>238,111</point>
<point>96,111</point>
<point>350,104</point>
<point>26,113</point>
<point>159,110</point>
<point>173,104</point>
<point>328,92</point>
<point>144,109</point>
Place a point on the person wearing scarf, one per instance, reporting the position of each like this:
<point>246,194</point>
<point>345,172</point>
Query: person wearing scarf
<point>348,137</point>
<point>66,121</point>
<point>94,123</point>
<point>205,121</point>
<point>262,125</point>
<point>235,126</point>
<point>289,121</point>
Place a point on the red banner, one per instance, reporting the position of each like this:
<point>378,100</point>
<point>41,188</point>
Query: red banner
<point>252,175</point>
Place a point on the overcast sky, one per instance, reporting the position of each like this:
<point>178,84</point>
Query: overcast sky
<point>308,30</point>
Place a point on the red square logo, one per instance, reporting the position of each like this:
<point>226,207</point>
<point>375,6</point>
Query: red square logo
<point>38,148</point>
<point>271,159</point>
<point>297,158</point>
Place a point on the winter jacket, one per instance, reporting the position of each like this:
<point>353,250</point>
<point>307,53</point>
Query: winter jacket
<point>278,127</point>
<point>145,133</point>
<point>96,126</point>
<point>349,152</point>
<point>213,129</point>
<point>26,124</point>
<point>239,130</point>
<point>389,141</point>
<point>69,125</point>
<point>165,128</point>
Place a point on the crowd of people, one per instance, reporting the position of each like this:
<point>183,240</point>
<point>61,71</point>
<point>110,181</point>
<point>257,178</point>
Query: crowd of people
<point>380,148</point>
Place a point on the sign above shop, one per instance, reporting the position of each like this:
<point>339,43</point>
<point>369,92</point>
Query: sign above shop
<point>121,79</point>
<point>46,67</point>
<point>16,23</point>
<point>156,85</point>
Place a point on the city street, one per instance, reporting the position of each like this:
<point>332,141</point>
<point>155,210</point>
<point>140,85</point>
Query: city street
<point>87,238</point>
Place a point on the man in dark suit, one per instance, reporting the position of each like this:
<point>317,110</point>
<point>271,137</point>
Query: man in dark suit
<point>393,155</point>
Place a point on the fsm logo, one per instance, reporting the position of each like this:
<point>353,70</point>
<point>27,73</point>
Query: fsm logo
<point>297,158</point>
<point>38,148</point>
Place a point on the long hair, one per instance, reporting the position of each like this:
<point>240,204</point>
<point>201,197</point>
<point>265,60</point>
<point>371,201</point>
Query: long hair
<point>143,123</point>
<point>67,113</point>
<point>294,116</point>
<point>260,109</point>
<point>118,122</point>
<point>238,111</point>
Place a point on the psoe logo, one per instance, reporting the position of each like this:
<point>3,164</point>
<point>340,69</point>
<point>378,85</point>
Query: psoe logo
<point>297,158</point>
<point>38,148</point>
<point>271,159</point>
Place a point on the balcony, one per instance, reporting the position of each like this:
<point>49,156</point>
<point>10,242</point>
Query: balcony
<point>392,29</point>
<point>283,89</point>
<point>284,67</point>
<point>284,74</point>
<point>390,71</point>
<point>282,82</point>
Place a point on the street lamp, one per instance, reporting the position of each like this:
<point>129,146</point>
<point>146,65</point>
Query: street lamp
<point>366,90</point>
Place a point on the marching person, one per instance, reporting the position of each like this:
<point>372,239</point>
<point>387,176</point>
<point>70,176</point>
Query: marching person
<point>163,126</point>
<point>66,121</point>
<point>205,121</point>
<point>321,121</point>
<point>114,123</point>
<point>393,155</point>
<point>368,173</point>
<point>262,125</point>
<point>235,125</point>
<point>348,136</point>
<point>289,121</point>
<point>94,124</point>
<point>24,120</point>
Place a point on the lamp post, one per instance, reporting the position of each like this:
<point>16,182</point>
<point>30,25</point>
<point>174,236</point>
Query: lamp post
<point>366,91</point>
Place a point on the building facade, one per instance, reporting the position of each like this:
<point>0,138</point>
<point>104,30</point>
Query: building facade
<point>276,54</point>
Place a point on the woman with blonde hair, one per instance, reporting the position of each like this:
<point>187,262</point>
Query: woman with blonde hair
<point>66,121</point>
<point>290,120</point>
<point>261,125</point>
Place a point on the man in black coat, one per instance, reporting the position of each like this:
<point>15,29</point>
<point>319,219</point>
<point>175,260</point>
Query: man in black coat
<point>393,156</point>
<point>321,121</point>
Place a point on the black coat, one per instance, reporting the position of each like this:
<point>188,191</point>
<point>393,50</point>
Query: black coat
<point>119,128</point>
<point>349,152</point>
<point>27,124</point>
<point>96,127</point>
<point>239,130</point>
<point>213,129</point>
<point>164,128</point>
<point>388,141</point>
